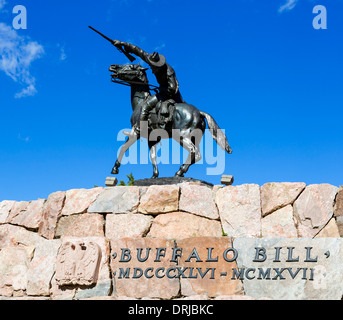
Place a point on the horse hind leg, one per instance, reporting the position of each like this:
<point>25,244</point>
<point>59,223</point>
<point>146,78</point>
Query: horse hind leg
<point>132,138</point>
<point>153,156</point>
<point>193,156</point>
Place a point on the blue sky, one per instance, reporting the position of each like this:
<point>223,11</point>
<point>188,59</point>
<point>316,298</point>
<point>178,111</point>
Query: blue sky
<point>271,80</point>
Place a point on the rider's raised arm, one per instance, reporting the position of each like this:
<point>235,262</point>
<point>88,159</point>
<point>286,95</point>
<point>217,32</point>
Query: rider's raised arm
<point>130,48</point>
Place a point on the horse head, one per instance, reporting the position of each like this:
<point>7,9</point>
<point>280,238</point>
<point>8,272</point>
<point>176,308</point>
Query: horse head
<point>129,72</point>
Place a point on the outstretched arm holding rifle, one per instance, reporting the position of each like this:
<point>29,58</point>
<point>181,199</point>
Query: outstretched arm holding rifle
<point>164,73</point>
<point>116,44</point>
<point>134,50</point>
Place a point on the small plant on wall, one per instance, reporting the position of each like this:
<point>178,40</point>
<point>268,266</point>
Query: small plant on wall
<point>129,183</point>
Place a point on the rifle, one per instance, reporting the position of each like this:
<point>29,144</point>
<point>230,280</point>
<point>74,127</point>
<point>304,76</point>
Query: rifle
<point>129,56</point>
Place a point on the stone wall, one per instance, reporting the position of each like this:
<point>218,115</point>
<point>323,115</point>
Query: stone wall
<point>82,233</point>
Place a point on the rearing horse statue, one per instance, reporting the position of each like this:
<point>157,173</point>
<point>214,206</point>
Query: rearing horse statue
<point>186,123</point>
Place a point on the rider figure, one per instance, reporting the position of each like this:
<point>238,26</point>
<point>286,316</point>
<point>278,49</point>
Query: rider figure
<point>165,76</point>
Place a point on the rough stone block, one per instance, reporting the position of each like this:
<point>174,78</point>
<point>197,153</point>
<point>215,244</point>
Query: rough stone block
<point>339,221</point>
<point>52,211</point>
<point>27,214</point>
<point>330,230</point>
<point>279,224</point>
<point>277,195</point>
<point>339,204</point>
<point>78,200</point>
<point>81,225</point>
<point>159,199</point>
<point>42,268</point>
<point>198,200</point>
<point>116,200</point>
<point>314,208</point>
<point>240,210</point>
<point>181,225</point>
<point>5,209</point>
<point>130,225</point>
<point>14,264</point>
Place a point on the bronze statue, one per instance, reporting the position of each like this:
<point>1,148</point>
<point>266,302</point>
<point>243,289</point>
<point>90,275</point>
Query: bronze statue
<point>165,109</point>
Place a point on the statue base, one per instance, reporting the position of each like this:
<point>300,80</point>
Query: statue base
<point>169,180</point>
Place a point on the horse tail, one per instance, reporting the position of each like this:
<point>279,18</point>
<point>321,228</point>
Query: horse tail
<point>217,134</point>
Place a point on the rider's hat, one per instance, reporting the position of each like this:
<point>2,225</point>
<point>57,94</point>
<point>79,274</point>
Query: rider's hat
<point>156,59</point>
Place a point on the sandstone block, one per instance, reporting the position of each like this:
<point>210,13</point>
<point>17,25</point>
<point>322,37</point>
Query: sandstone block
<point>5,209</point>
<point>116,200</point>
<point>27,214</point>
<point>240,210</point>
<point>279,224</point>
<point>338,205</point>
<point>330,230</point>
<point>314,208</point>
<point>339,222</point>
<point>181,225</point>
<point>14,263</point>
<point>52,211</point>
<point>78,200</point>
<point>81,225</point>
<point>131,225</point>
<point>42,268</point>
<point>159,199</point>
<point>277,195</point>
<point>11,235</point>
<point>198,200</point>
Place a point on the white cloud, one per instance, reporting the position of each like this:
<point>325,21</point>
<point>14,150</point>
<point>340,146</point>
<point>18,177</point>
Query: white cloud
<point>16,55</point>
<point>63,55</point>
<point>289,5</point>
<point>160,47</point>
<point>2,4</point>
<point>25,139</point>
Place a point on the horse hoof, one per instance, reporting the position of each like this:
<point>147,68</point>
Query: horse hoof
<point>115,170</point>
<point>179,174</point>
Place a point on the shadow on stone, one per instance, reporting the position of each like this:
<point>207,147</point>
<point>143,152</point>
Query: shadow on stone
<point>169,180</point>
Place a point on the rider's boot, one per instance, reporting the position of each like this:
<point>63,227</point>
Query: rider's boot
<point>147,106</point>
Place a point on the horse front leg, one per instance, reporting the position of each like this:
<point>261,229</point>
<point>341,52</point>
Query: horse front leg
<point>132,138</point>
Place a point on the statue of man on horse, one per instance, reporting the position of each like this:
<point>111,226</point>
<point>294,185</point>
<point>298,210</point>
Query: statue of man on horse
<point>165,109</point>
